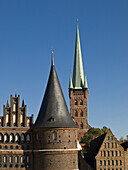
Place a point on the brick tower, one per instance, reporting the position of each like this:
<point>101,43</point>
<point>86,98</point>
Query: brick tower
<point>78,92</point>
<point>55,133</point>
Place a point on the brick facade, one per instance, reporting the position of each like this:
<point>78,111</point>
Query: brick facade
<point>79,109</point>
<point>15,136</point>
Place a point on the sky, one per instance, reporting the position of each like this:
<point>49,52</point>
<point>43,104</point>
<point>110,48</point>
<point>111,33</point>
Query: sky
<point>31,29</point>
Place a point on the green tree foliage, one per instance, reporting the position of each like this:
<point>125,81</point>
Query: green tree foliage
<point>92,133</point>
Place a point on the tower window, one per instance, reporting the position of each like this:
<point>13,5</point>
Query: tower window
<point>76,102</point>
<point>17,138</point>
<point>21,119</point>
<point>81,113</point>
<point>1,137</point>
<point>76,113</point>
<point>10,159</point>
<point>81,125</point>
<point>11,138</point>
<point>6,138</point>
<point>54,135</point>
<point>28,138</point>
<point>14,107</point>
<point>22,137</point>
<point>14,118</point>
<point>5,159</point>
<point>81,102</point>
<point>7,118</point>
<point>16,159</point>
<point>28,159</point>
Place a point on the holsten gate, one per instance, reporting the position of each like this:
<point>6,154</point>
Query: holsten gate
<point>52,141</point>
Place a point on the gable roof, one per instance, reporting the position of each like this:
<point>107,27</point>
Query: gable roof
<point>94,147</point>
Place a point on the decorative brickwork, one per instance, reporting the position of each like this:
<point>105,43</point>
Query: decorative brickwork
<point>15,136</point>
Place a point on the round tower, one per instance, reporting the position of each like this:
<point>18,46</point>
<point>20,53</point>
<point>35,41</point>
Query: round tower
<point>55,133</point>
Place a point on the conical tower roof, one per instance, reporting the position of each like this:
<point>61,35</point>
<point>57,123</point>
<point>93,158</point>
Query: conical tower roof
<point>54,111</point>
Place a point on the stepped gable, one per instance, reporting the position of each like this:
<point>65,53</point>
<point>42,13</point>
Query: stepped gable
<point>54,111</point>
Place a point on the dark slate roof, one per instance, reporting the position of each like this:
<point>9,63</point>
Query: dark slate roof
<point>124,145</point>
<point>94,147</point>
<point>54,111</point>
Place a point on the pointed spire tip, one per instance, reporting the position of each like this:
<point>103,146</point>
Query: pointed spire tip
<point>52,59</point>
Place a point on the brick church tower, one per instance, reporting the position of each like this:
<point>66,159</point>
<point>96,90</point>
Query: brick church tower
<point>78,92</point>
<point>54,132</point>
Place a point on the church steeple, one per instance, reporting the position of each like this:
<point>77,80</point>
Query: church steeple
<point>78,72</point>
<point>78,92</point>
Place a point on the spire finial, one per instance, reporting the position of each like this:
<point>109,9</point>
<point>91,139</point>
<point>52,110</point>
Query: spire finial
<point>52,59</point>
<point>15,92</point>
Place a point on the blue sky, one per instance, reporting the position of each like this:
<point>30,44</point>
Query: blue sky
<point>31,29</point>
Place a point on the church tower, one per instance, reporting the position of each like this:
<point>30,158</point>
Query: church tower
<point>55,133</point>
<point>78,92</point>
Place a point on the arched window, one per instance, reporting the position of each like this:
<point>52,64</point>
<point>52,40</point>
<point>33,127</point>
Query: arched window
<point>115,145</point>
<point>21,159</point>
<point>76,113</point>
<point>104,153</point>
<point>81,125</point>
<point>116,162</point>
<point>14,107</point>
<point>28,159</point>
<point>112,162</point>
<point>14,118</point>
<point>22,137</point>
<point>1,137</point>
<point>111,137</point>
<point>76,102</point>
<point>107,145</point>
<point>11,159</point>
<point>6,137</point>
<point>108,153</point>
<point>107,137</point>
<point>111,153</point>
<point>81,102</point>
<point>100,163</point>
<point>120,162</point>
<point>28,138</point>
<point>5,159</point>
<point>7,118</point>
<point>81,113</point>
<point>17,137</point>
<point>112,145</point>
<point>11,137</point>
<point>16,159</point>
<point>104,163</point>
<point>116,153</point>
<point>28,122</point>
<point>54,135</point>
<point>108,162</point>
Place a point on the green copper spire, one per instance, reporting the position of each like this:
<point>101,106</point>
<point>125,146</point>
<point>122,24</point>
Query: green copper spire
<point>85,83</point>
<point>78,73</point>
<point>70,83</point>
